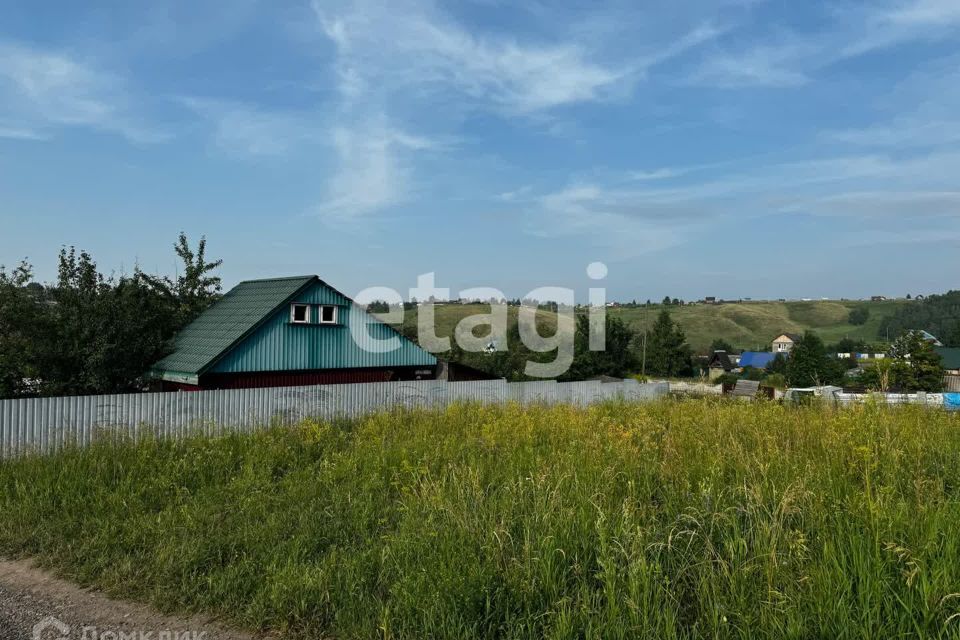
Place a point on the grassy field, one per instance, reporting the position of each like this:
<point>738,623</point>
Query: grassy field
<point>679,519</point>
<point>746,325</point>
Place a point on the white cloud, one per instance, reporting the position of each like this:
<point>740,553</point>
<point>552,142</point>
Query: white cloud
<point>415,58</point>
<point>515,195</point>
<point>876,190</point>
<point>905,21</point>
<point>371,173</point>
<point>410,45</point>
<point>791,59</point>
<point>925,12</point>
<point>760,66</point>
<point>884,203</point>
<point>17,132</point>
<point>628,222</point>
<point>41,90</point>
<point>691,40</point>
<point>414,46</point>
<point>923,110</point>
<point>912,236</point>
<point>247,130</point>
<point>657,174</point>
<point>903,132</point>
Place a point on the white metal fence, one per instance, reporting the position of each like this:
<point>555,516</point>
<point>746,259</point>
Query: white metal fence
<point>696,388</point>
<point>921,398</point>
<point>47,424</point>
<point>951,384</point>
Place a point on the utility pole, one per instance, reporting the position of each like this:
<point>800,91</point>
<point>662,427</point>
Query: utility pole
<point>643,366</point>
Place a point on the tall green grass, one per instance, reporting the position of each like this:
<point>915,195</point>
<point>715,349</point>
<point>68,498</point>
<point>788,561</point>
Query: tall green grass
<point>689,519</point>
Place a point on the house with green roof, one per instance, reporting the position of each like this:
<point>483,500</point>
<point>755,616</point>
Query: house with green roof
<point>288,332</point>
<point>950,358</point>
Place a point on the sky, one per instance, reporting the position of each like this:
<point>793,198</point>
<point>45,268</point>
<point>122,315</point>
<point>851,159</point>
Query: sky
<point>733,148</point>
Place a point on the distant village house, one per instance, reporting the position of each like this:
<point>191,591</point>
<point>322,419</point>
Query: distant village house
<point>785,342</point>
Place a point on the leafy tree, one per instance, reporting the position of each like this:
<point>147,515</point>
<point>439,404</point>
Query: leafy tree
<point>775,380</point>
<point>87,333</point>
<point>938,314</point>
<point>193,290</point>
<point>19,312</point>
<point>726,379</point>
<point>378,306</point>
<point>916,366</point>
<point>878,375</point>
<point>778,365</point>
<point>668,353</point>
<point>509,363</point>
<point>809,365</point>
<point>752,373</point>
<point>666,301</point>
<point>849,345</point>
<point>618,358</point>
<point>858,316</point>
<point>100,335</point>
<point>719,344</point>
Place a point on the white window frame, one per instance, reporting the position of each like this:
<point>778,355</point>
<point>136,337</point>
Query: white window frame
<point>293,313</point>
<point>336,314</point>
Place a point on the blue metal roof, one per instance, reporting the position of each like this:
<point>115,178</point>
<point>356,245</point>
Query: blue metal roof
<point>756,359</point>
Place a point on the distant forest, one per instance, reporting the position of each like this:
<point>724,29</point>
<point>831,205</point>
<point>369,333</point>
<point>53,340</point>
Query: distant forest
<point>938,314</point>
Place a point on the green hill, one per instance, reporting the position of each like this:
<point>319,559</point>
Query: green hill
<point>746,325</point>
<point>752,325</point>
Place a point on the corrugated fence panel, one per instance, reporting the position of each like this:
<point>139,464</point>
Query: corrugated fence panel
<point>46,425</point>
<point>927,399</point>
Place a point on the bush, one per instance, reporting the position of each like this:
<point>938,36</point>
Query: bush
<point>728,379</point>
<point>858,316</point>
<point>752,373</point>
<point>775,380</point>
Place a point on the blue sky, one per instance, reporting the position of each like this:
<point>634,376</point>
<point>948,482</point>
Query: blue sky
<point>724,147</point>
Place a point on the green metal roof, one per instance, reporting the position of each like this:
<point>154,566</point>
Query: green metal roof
<point>227,321</point>
<point>950,357</point>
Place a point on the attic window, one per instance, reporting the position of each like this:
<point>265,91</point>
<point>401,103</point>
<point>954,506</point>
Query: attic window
<point>328,314</point>
<point>300,313</point>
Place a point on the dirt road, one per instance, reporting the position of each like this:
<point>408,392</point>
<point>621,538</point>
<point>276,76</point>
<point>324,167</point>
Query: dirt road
<point>30,596</point>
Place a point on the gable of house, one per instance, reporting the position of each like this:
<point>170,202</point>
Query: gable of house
<point>785,342</point>
<point>720,360</point>
<point>250,330</point>
<point>279,345</point>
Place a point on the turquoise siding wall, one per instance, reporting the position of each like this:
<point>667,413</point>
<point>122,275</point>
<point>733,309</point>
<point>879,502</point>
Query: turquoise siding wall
<point>280,346</point>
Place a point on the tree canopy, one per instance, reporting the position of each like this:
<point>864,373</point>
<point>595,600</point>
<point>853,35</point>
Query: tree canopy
<point>617,359</point>
<point>668,353</point>
<point>88,333</point>
<point>809,364</point>
<point>719,344</point>
<point>938,314</point>
<point>912,365</point>
<point>858,316</point>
